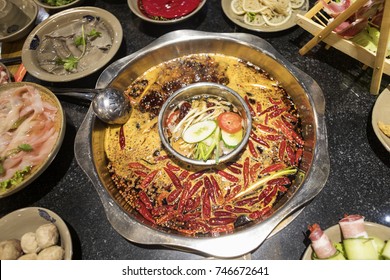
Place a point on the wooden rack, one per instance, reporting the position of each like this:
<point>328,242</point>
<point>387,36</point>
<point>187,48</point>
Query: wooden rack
<point>315,22</point>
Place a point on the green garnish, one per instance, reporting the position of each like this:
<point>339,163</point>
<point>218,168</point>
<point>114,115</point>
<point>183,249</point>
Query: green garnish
<point>21,147</point>
<point>93,34</point>
<point>16,179</point>
<point>80,41</point>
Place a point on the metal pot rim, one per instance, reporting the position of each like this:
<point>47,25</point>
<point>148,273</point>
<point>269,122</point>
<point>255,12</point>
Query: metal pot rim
<point>224,246</point>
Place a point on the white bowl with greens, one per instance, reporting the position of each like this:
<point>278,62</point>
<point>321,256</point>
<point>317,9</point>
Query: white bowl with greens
<point>72,44</point>
<point>205,124</point>
<point>53,6</point>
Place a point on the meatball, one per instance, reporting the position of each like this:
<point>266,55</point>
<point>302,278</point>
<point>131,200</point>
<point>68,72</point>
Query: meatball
<point>52,253</point>
<point>46,235</point>
<point>10,249</point>
<point>32,256</point>
<point>29,243</point>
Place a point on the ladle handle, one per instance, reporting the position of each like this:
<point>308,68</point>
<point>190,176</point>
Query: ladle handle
<point>81,93</point>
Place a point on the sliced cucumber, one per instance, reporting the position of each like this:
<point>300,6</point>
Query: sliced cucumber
<point>386,251</point>
<point>360,249</point>
<point>199,131</point>
<point>337,256</point>
<point>232,139</point>
<point>379,244</point>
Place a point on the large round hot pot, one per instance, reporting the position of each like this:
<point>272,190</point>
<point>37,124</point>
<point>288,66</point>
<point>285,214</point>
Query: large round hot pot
<point>306,94</point>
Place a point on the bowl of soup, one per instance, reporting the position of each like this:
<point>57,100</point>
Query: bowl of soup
<point>205,124</point>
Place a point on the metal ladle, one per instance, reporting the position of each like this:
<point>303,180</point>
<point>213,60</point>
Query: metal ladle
<point>110,105</point>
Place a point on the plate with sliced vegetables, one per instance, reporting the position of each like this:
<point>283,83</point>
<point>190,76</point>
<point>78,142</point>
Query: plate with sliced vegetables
<point>265,15</point>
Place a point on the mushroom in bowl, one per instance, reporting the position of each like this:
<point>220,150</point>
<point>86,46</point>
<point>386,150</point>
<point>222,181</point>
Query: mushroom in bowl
<point>205,124</point>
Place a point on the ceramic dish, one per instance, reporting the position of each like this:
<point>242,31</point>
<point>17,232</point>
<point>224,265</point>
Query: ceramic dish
<point>239,19</point>
<point>53,9</point>
<point>17,223</point>
<point>334,234</point>
<point>59,126</point>
<point>17,18</point>
<point>381,112</point>
<point>133,5</point>
<point>59,23</point>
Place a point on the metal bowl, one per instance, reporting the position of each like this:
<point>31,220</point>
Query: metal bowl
<point>304,91</point>
<point>209,89</point>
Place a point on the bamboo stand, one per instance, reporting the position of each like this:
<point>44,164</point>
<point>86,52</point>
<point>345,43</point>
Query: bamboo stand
<point>323,31</point>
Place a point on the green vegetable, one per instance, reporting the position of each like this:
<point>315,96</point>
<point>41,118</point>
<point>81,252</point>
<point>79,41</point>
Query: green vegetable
<point>199,131</point>
<point>21,147</point>
<point>369,39</point>
<point>263,181</point>
<point>16,179</point>
<point>232,139</point>
<point>360,249</point>
<point>93,34</point>
<point>57,2</point>
<point>205,148</point>
<point>386,250</point>
<point>337,256</point>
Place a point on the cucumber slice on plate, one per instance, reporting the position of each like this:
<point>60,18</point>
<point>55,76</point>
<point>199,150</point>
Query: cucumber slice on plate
<point>199,131</point>
<point>232,139</point>
<point>360,249</point>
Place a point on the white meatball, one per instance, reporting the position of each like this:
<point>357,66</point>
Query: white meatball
<point>29,243</point>
<point>52,253</point>
<point>32,256</point>
<point>10,249</point>
<point>46,235</point>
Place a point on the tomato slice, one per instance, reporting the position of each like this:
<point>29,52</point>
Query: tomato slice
<point>230,122</point>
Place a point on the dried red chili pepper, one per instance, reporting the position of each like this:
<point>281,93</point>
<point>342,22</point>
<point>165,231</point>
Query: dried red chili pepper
<point>246,173</point>
<point>273,167</point>
<point>228,176</point>
<point>148,179</point>
<point>122,138</point>
<point>253,113</point>
<point>252,149</point>
<point>176,182</point>
<point>258,140</point>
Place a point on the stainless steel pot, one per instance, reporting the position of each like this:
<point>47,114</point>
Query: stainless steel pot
<point>305,92</point>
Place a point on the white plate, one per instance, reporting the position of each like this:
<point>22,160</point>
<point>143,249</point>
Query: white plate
<point>239,20</point>
<point>334,234</point>
<point>381,112</point>
<point>62,19</point>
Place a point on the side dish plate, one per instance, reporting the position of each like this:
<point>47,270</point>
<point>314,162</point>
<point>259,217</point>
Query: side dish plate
<point>381,112</point>
<point>334,234</point>
<point>61,20</point>
<point>239,19</point>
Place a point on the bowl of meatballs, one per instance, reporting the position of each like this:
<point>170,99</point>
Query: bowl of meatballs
<point>34,233</point>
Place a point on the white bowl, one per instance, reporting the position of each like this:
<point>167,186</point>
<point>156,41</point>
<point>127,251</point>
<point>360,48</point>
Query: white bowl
<point>15,224</point>
<point>54,9</point>
<point>17,19</point>
<point>334,234</point>
<point>60,21</point>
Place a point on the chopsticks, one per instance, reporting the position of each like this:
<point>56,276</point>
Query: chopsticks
<point>11,60</point>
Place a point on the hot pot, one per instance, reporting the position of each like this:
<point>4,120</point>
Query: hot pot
<point>306,94</point>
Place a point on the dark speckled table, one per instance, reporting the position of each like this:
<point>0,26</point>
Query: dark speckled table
<point>359,179</point>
